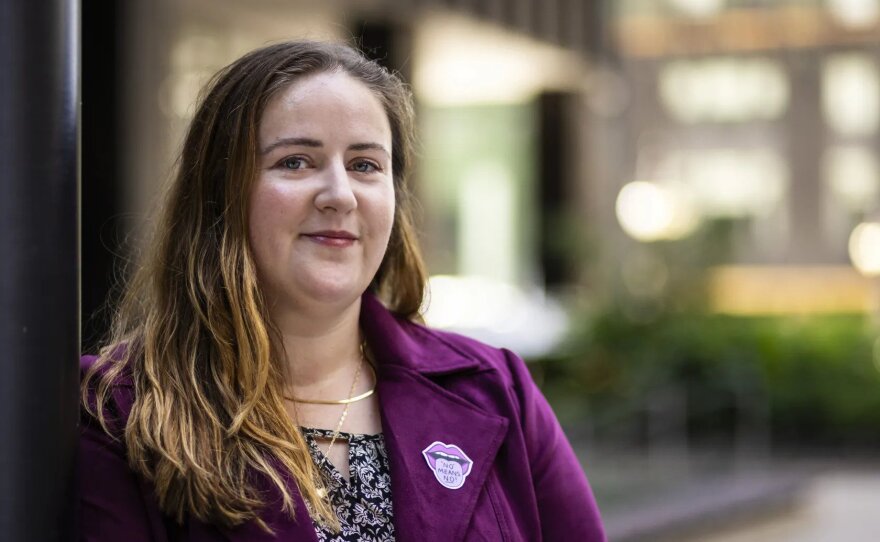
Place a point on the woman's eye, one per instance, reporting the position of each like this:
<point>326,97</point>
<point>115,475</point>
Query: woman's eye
<point>293,162</point>
<point>365,167</point>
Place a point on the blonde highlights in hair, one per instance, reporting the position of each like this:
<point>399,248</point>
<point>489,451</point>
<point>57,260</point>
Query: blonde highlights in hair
<point>192,329</point>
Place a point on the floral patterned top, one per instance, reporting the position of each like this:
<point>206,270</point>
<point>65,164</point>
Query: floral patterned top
<point>363,503</point>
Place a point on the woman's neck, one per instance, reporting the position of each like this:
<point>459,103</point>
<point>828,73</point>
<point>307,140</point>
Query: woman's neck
<point>323,351</point>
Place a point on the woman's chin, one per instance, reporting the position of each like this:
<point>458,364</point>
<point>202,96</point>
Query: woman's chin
<point>332,294</point>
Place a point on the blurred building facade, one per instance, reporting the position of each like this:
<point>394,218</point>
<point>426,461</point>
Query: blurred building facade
<point>561,140</point>
<point>762,117</point>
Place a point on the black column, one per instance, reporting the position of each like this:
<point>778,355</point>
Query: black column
<point>39,313</point>
<point>558,241</point>
<point>102,142</point>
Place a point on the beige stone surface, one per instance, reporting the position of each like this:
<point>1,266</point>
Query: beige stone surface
<point>837,506</point>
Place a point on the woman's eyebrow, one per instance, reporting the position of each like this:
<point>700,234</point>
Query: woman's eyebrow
<point>290,141</point>
<point>367,147</point>
<point>309,142</point>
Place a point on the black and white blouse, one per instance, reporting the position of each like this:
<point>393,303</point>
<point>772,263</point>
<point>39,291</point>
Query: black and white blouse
<point>363,503</point>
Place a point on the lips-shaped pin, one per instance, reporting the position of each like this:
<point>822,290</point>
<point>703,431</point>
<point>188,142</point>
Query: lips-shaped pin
<point>449,464</point>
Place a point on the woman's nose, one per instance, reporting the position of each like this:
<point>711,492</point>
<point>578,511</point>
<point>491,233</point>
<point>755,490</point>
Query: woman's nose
<point>336,191</point>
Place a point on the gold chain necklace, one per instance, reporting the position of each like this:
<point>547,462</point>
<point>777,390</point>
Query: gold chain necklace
<point>354,382</point>
<point>322,491</point>
<point>348,401</point>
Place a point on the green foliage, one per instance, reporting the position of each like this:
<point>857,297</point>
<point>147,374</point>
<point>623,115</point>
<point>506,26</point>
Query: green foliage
<point>805,379</point>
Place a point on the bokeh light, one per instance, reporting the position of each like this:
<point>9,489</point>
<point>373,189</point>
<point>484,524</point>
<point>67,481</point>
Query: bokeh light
<point>864,248</point>
<point>650,211</point>
<point>855,13</point>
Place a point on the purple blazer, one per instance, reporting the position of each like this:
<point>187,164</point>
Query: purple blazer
<point>505,470</point>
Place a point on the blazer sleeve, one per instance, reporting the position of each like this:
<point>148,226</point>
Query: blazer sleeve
<point>566,505</point>
<point>113,502</point>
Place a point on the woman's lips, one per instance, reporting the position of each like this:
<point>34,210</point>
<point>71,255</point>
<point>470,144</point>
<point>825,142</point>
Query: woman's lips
<point>339,239</point>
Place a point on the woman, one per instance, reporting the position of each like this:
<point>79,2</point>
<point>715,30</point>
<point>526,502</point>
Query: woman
<point>266,377</point>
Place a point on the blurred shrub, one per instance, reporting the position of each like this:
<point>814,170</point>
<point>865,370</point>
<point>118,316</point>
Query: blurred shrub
<point>800,380</point>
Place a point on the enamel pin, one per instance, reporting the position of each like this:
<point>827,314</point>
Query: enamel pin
<point>449,463</point>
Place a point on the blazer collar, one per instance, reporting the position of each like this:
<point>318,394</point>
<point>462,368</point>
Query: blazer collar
<point>418,411</point>
<point>398,342</point>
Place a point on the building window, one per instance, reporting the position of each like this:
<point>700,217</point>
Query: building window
<point>851,94</point>
<point>724,89</point>
<point>852,176</point>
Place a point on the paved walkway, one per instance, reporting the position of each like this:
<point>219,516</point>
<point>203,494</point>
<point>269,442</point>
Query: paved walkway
<point>837,505</point>
<point>711,497</point>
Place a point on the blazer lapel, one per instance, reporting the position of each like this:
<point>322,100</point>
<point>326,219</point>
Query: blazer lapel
<point>417,413</point>
<point>434,488</point>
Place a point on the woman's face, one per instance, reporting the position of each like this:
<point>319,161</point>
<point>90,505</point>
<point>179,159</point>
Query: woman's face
<point>322,206</point>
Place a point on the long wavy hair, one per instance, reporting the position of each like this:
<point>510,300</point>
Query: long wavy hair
<point>192,327</point>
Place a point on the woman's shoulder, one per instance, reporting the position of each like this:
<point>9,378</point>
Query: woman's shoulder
<point>89,361</point>
<point>400,340</point>
<point>476,355</point>
<point>107,391</point>
<point>112,364</point>
<point>115,502</point>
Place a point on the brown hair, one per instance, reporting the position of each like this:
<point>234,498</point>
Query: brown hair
<point>192,327</point>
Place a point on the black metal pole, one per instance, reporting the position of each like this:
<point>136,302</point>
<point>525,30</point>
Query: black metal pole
<point>39,266</point>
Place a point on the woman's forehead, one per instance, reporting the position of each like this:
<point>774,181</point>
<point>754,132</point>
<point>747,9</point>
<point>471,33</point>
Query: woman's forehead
<point>325,105</point>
